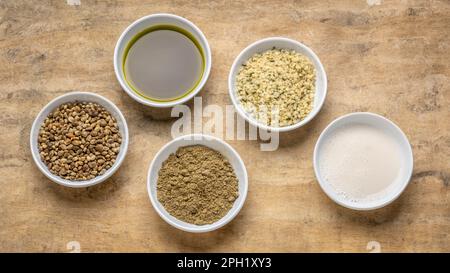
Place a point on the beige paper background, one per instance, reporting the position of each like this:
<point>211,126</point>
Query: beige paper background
<point>391,59</point>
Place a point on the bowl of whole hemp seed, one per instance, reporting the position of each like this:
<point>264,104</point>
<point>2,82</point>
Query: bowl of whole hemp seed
<point>79,139</point>
<point>277,84</point>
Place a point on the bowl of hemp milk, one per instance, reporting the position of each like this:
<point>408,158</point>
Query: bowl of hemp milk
<point>363,161</point>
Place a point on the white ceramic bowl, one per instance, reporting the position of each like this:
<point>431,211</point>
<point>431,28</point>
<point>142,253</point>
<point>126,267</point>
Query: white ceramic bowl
<point>388,127</point>
<point>71,97</point>
<point>214,143</point>
<point>279,43</point>
<point>153,20</point>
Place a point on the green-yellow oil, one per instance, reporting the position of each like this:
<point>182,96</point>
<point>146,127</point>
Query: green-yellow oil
<point>161,98</point>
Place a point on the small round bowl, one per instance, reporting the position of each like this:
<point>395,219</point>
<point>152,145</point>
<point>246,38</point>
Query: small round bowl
<point>279,43</point>
<point>82,97</point>
<point>153,20</point>
<point>388,127</point>
<point>216,144</point>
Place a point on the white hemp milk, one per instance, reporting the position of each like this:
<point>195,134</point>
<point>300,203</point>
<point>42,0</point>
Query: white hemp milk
<point>360,162</point>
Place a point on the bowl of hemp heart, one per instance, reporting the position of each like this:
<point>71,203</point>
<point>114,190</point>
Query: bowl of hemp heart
<point>277,84</point>
<point>79,139</point>
<point>197,183</point>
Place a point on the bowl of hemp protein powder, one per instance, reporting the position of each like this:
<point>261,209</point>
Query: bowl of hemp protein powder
<point>277,84</point>
<point>79,139</point>
<point>197,183</point>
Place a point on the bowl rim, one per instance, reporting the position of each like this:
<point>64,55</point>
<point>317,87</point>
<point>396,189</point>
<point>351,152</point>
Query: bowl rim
<point>366,206</point>
<point>231,84</point>
<point>83,183</point>
<point>158,104</point>
<point>217,224</point>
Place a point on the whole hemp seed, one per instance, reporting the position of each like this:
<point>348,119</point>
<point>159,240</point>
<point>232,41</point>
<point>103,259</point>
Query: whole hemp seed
<point>277,87</point>
<point>79,140</point>
<point>197,185</point>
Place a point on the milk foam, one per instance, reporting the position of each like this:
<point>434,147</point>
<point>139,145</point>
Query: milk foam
<point>360,162</point>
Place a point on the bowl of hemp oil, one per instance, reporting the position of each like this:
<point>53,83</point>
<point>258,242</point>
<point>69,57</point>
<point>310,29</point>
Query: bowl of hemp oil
<point>197,183</point>
<point>162,60</point>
